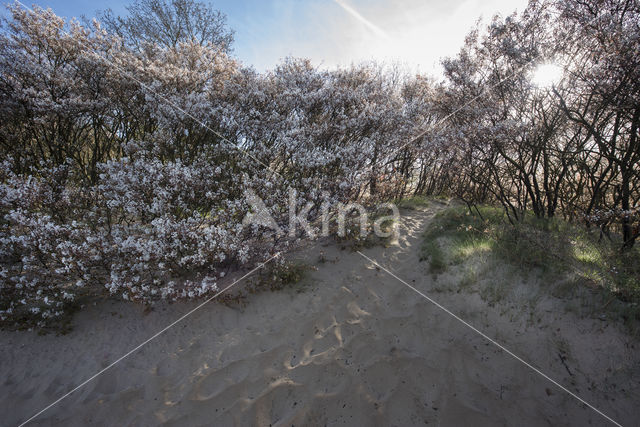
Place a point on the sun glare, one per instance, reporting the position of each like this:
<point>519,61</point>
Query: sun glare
<point>547,75</point>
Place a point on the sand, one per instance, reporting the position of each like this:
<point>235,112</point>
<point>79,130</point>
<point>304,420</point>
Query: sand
<point>353,346</point>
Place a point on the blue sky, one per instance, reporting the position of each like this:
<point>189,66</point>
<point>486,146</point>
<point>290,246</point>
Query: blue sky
<point>414,33</point>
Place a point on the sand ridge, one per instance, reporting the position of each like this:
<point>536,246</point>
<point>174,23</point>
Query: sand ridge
<point>354,347</point>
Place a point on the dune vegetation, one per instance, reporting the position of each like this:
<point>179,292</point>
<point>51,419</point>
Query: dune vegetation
<point>128,150</point>
<point>568,260</point>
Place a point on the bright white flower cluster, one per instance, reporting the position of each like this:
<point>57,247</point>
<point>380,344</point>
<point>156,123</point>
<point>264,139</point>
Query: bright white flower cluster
<point>147,230</point>
<point>606,216</point>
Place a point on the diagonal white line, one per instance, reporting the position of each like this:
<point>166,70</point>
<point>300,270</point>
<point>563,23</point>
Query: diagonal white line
<point>485,87</point>
<point>494,342</point>
<point>454,112</point>
<point>223,138</point>
<point>126,73</point>
<point>138,347</point>
<point>358,16</point>
<point>177,107</point>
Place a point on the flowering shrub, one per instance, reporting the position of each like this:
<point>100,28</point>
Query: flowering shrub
<point>126,163</point>
<point>148,230</point>
<point>170,227</point>
<point>46,256</point>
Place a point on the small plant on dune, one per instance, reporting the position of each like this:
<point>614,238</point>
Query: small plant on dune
<point>280,275</point>
<point>469,278</point>
<point>432,252</point>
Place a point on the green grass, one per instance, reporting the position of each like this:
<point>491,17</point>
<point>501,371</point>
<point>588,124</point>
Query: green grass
<point>454,235</point>
<point>567,258</point>
<point>432,252</point>
<point>465,248</point>
<point>413,203</point>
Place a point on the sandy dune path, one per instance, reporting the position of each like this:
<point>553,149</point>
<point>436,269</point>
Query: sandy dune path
<point>355,347</point>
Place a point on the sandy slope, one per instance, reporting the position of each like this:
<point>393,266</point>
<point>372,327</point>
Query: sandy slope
<point>356,347</point>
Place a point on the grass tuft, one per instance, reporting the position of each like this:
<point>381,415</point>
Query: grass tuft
<point>280,276</point>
